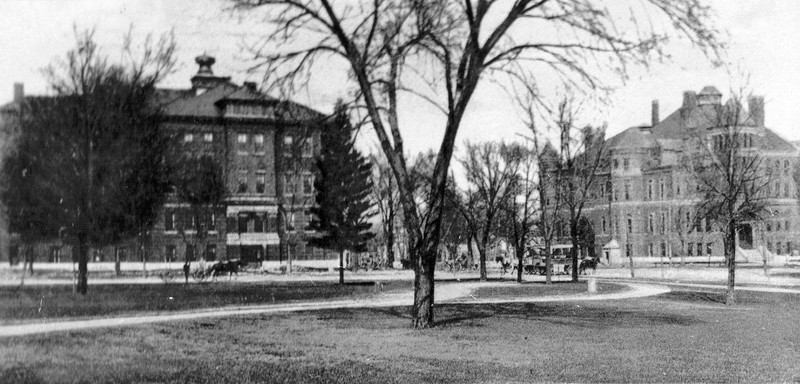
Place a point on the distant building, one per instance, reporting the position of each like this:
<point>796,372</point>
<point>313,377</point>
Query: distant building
<point>642,203</point>
<point>243,129</point>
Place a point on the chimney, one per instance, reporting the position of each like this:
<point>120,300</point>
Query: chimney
<point>756,108</point>
<point>19,92</point>
<point>654,114</point>
<point>689,99</point>
<point>251,85</point>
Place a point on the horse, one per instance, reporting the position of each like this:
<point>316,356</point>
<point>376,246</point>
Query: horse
<point>505,263</point>
<point>588,263</point>
<point>227,267</point>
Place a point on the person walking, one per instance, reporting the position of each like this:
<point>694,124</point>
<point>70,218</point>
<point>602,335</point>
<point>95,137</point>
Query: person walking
<point>186,271</point>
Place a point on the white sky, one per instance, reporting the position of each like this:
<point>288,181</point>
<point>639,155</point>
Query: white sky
<point>764,38</point>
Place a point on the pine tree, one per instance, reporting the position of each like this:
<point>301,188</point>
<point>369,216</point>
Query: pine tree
<point>343,186</point>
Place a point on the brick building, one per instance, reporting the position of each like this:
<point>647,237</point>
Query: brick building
<point>243,130</point>
<point>644,200</point>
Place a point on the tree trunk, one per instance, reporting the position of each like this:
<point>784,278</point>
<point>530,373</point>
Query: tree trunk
<point>117,267</point>
<point>341,266</point>
<point>730,258</point>
<point>83,264</point>
<point>520,258</point>
<point>573,229</point>
<point>390,241</point>
<point>548,263</point>
<point>482,261</point>
<point>424,266</point>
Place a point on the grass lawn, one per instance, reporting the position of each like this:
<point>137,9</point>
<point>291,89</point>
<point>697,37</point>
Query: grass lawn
<point>19,304</point>
<point>682,336</point>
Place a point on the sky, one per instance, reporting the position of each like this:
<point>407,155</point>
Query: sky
<point>763,41</point>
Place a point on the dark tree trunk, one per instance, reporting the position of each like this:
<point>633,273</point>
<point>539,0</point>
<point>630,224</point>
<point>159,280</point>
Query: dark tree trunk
<point>341,267</point>
<point>83,264</point>
<point>482,261</point>
<point>548,262</point>
<point>390,239</point>
<point>424,266</point>
<point>730,258</point>
<point>573,231</point>
<point>520,258</point>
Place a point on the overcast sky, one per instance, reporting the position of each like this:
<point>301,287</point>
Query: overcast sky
<point>764,38</point>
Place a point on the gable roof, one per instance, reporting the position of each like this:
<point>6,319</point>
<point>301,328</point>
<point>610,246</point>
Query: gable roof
<point>631,138</point>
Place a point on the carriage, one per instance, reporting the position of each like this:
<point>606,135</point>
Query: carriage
<point>561,264</point>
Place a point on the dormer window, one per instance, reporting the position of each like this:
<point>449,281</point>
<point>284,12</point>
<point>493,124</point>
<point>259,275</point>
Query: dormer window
<point>208,137</point>
<point>188,138</point>
<point>242,138</point>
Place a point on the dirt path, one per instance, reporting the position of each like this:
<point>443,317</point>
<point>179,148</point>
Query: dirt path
<point>444,292</point>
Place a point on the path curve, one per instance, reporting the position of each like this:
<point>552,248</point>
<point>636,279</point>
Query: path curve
<point>445,292</point>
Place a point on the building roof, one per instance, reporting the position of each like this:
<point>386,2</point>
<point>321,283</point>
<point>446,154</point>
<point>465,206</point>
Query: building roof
<point>631,138</point>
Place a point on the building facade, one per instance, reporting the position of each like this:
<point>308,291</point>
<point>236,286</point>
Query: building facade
<point>644,199</point>
<point>265,149</point>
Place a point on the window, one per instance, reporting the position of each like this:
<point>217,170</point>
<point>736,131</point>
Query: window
<point>627,192</point>
<point>192,223</point>
<point>290,221</point>
<point>242,188</point>
<point>777,226</point>
<point>708,225</point>
<point>769,226</point>
<point>699,249</point>
<point>242,138</point>
<point>308,217</point>
<point>786,167</point>
<point>650,250</point>
<point>169,221</point>
<point>786,190</point>
<point>650,226</point>
<point>208,137</point>
<point>211,252</point>
<point>261,181</point>
<point>786,225</point>
<point>616,163</point>
<point>650,190</point>
<point>663,222</point>
<point>709,247</point>
<point>688,220</point>
<point>188,138</point>
<point>604,225</point>
<point>628,250</point>
<point>663,249</point>
<point>690,249</point>
<point>258,225</point>
<point>212,222</point>
<point>308,147</point>
<point>626,163</point>
<point>661,188</point>
<point>630,224</point>
<point>242,223</point>
<point>769,246</point>
<point>308,184</point>
<point>272,223</point>
<point>259,139</point>
<point>169,253</point>
<point>678,188</point>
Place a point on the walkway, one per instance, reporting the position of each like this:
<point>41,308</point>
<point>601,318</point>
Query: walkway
<point>444,293</point>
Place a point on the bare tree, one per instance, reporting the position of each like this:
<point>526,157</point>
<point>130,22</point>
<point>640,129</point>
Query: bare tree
<point>386,200</point>
<point>731,175</point>
<point>440,51</point>
<point>491,172</point>
<point>520,212</point>
<point>581,157</point>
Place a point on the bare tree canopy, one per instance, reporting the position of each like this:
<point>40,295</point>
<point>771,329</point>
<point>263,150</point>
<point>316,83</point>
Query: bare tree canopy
<point>732,179</point>
<point>440,51</point>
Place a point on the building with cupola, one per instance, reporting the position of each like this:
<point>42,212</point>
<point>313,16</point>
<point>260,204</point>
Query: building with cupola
<point>245,132</point>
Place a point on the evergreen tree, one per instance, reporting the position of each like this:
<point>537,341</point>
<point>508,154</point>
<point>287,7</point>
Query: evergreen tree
<point>343,186</point>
